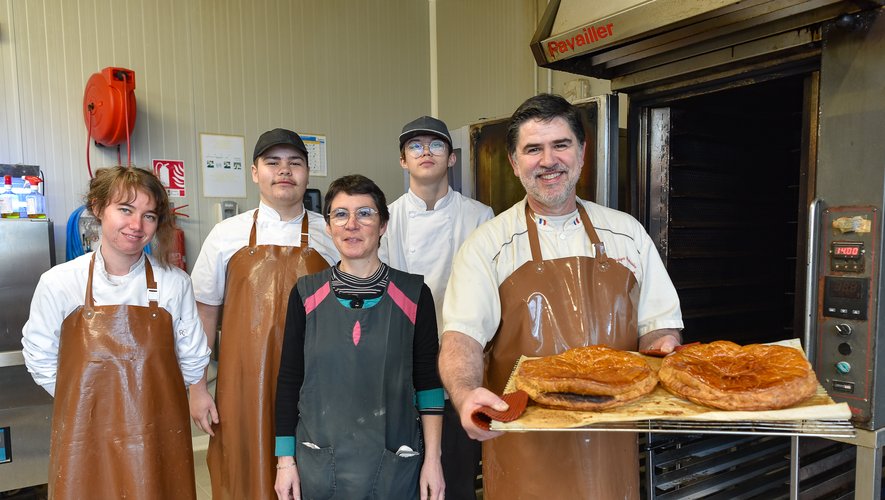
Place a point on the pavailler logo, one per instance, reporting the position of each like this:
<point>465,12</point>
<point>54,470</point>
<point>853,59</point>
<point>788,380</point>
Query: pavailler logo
<point>589,35</point>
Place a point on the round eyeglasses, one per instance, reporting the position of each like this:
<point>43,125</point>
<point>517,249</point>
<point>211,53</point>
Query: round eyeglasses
<point>416,148</point>
<point>364,215</point>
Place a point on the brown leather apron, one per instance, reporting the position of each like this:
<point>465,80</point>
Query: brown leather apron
<point>259,280</point>
<point>120,425</point>
<point>548,306</point>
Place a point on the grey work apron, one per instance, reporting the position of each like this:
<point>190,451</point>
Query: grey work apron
<point>120,423</point>
<point>259,280</point>
<point>548,306</point>
<point>357,400</point>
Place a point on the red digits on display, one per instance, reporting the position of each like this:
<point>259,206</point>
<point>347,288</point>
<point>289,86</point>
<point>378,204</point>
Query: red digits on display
<point>851,251</point>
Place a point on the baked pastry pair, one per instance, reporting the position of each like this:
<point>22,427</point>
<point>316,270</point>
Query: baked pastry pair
<point>720,374</point>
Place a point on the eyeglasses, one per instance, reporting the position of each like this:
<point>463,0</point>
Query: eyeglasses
<point>416,149</point>
<point>365,216</point>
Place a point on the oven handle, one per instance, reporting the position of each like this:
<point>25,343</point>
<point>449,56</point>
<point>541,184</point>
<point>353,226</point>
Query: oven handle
<point>811,265</point>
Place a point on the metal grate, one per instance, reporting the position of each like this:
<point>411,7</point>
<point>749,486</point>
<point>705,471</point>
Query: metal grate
<point>803,428</point>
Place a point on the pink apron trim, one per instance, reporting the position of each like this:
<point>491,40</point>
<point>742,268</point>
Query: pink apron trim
<point>357,333</point>
<point>314,300</point>
<point>407,306</point>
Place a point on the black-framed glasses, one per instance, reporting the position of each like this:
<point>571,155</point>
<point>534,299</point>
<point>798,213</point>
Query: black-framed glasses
<point>415,149</point>
<point>364,215</point>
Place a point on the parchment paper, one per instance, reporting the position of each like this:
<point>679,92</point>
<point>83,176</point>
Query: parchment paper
<point>661,405</point>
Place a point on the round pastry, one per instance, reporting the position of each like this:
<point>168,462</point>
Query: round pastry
<point>588,378</point>
<point>728,376</point>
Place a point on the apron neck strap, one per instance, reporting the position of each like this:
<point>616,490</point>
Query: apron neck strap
<point>304,229</point>
<point>534,241</point>
<point>304,235</point>
<point>89,302</point>
<point>152,293</point>
<point>591,233</point>
<point>532,226</point>
<point>254,224</point>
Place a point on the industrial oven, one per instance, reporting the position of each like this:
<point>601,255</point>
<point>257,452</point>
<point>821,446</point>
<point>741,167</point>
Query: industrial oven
<point>755,160</point>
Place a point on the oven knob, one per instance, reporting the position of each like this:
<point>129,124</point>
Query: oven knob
<point>843,329</point>
<point>843,367</point>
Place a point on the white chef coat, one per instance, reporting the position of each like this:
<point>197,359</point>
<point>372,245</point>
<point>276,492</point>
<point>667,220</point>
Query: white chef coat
<point>230,235</point>
<point>422,241</point>
<point>495,250</point>
<point>63,288</point>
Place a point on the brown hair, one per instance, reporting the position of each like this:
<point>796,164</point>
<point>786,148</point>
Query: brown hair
<point>113,184</point>
<point>353,185</point>
<point>544,107</point>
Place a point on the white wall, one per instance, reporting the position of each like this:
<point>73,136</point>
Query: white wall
<point>353,70</point>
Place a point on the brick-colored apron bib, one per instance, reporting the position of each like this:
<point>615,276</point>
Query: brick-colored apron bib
<point>548,306</point>
<point>120,425</point>
<point>259,280</point>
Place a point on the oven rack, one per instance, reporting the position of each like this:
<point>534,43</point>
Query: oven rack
<point>837,428</point>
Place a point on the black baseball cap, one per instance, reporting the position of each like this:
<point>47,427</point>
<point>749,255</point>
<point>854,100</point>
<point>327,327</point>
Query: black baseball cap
<point>276,137</point>
<point>426,125</point>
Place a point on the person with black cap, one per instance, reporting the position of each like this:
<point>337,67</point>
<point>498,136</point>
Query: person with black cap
<point>248,265</point>
<point>427,226</point>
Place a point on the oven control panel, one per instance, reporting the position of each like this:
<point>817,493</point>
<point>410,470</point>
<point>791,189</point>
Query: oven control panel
<point>850,244</point>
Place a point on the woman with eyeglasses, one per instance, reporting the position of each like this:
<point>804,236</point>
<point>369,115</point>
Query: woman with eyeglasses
<point>359,400</point>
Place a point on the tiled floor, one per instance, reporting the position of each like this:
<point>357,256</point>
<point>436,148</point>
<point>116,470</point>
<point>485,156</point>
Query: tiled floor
<point>200,443</point>
<point>204,487</point>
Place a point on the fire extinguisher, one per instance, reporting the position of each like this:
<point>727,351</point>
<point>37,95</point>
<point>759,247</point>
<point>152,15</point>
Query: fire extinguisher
<point>177,254</point>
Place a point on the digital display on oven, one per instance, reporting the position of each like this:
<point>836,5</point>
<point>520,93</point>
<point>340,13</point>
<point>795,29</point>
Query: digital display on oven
<point>847,250</point>
<point>847,289</point>
<point>846,297</point>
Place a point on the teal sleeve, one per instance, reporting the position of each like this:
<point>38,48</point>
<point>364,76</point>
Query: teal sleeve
<point>430,401</point>
<point>285,446</point>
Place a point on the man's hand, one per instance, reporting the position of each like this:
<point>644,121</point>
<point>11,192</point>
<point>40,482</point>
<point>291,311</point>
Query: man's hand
<point>202,406</point>
<point>469,402</point>
<point>460,367</point>
<point>664,340</point>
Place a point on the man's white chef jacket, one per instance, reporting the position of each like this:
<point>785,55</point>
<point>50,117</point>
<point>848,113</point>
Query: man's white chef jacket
<point>232,234</point>
<point>495,250</point>
<point>422,241</point>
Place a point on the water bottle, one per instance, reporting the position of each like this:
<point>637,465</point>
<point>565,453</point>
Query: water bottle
<point>22,195</point>
<point>34,201</point>
<point>8,200</point>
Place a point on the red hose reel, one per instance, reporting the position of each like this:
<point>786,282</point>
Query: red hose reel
<point>109,105</point>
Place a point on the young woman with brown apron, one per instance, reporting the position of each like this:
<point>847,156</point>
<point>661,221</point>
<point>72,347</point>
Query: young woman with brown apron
<point>105,442</point>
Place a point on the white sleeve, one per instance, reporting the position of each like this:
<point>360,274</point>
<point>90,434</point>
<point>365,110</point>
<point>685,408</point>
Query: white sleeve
<point>209,271</point>
<point>658,301</point>
<point>320,239</point>
<point>383,252</point>
<point>190,339</point>
<point>472,305</point>
<point>40,335</point>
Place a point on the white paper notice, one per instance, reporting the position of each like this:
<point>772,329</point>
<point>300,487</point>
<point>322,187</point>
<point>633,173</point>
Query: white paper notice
<point>224,166</point>
<point>316,154</point>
